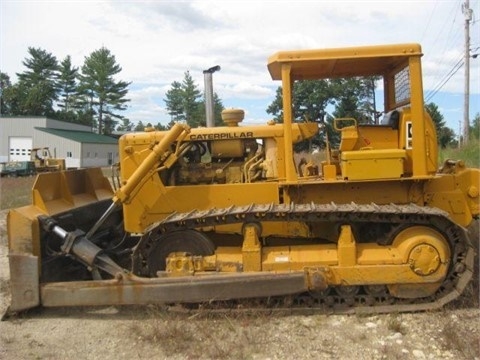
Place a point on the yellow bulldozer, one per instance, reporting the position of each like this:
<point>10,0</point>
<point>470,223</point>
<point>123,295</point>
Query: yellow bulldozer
<point>44,161</point>
<point>214,214</point>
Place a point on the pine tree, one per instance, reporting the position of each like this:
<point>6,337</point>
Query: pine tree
<point>174,101</point>
<point>217,111</point>
<point>192,96</point>
<point>140,126</point>
<point>97,83</point>
<point>126,125</point>
<point>161,127</point>
<point>37,85</point>
<point>67,85</point>
<point>184,102</point>
<point>8,96</point>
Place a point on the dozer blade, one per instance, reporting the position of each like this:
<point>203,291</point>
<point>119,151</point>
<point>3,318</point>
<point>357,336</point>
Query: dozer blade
<point>24,282</point>
<point>74,196</point>
<point>128,289</point>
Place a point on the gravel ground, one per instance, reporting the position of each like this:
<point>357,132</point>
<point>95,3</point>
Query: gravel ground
<point>134,332</point>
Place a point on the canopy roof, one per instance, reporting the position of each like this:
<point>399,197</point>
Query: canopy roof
<point>342,62</point>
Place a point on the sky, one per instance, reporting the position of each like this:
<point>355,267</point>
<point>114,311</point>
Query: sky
<point>156,42</point>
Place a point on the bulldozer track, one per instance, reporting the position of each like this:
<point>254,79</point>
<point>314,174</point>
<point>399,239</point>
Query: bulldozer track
<point>333,300</point>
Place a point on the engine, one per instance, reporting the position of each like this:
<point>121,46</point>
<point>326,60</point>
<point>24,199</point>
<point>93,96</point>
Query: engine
<point>225,162</point>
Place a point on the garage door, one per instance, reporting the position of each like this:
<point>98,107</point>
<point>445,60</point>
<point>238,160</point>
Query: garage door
<point>19,148</point>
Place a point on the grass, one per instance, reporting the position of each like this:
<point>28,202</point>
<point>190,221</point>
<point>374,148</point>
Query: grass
<point>470,154</point>
<point>457,338</point>
<point>394,324</point>
<point>15,191</point>
<point>203,335</point>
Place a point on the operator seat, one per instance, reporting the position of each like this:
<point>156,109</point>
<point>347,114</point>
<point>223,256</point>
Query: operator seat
<point>391,119</point>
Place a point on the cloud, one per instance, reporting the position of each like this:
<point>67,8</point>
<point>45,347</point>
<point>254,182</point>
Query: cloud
<point>146,104</point>
<point>246,90</point>
<point>155,42</point>
<point>185,15</point>
<point>158,16</point>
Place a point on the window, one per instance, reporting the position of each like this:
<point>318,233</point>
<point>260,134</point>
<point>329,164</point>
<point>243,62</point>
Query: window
<point>402,85</point>
<point>69,154</point>
<point>88,154</point>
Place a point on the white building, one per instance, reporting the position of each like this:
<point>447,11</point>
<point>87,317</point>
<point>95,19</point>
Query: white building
<point>74,142</point>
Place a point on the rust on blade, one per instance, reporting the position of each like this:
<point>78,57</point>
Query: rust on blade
<point>128,289</point>
<point>24,281</point>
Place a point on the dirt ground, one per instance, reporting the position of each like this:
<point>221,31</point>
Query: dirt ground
<point>137,332</point>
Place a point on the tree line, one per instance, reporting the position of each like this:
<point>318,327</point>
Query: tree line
<point>184,102</point>
<point>91,95</point>
<point>354,98</point>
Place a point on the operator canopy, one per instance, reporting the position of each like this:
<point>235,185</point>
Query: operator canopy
<point>342,62</point>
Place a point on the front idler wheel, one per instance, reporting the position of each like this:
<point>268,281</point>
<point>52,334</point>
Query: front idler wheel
<point>188,241</point>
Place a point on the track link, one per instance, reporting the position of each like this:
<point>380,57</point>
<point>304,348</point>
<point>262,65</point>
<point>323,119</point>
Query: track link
<point>459,274</point>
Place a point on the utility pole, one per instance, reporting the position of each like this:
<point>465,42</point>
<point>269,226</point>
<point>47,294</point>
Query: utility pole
<point>459,145</point>
<point>466,122</point>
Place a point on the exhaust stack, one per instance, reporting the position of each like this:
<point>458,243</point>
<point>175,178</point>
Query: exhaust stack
<point>209,106</point>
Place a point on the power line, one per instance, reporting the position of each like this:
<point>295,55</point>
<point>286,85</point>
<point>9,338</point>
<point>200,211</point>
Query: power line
<point>428,22</point>
<point>447,77</point>
<point>449,39</point>
<point>444,80</point>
